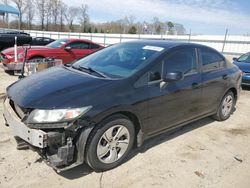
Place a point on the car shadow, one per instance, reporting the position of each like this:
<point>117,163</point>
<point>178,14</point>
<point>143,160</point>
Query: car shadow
<point>83,170</point>
<point>169,135</point>
<point>77,172</point>
<point>245,88</point>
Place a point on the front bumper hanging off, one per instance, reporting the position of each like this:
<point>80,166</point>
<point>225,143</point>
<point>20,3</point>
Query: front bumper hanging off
<point>62,156</point>
<point>37,138</point>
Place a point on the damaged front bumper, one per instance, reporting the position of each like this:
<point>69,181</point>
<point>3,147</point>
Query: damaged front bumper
<point>37,138</point>
<point>62,149</point>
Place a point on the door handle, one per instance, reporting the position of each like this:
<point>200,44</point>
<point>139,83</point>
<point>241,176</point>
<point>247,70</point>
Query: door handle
<point>195,85</point>
<point>225,76</point>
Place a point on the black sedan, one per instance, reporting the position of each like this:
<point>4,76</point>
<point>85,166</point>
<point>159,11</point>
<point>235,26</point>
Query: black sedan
<point>7,39</point>
<point>95,110</point>
<point>41,41</point>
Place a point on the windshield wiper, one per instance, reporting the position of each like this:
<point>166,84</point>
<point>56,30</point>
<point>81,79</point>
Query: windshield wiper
<point>90,70</point>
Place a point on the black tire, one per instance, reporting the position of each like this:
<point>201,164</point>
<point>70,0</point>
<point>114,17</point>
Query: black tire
<point>220,116</point>
<point>96,137</point>
<point>10,72</point>
<point>36,59</point>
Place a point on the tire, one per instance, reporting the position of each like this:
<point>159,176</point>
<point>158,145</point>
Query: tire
<point>226,107</point>
<point>109,143</point>
<point>10,72</point>
<point>36,59</point>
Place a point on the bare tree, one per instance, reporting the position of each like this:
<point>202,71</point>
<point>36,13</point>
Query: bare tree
<point>62,9</point>
<point>41,7</point>
<point>22,7</point>
<point>70,16</point>
<point>55,4</point>
<point>48,13</point>
<point>170,28</point>
<point>30,13</point>
<point>83,17</point>
<point>156,25</point>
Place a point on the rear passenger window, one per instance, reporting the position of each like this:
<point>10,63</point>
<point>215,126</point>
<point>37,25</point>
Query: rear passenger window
<point>79,45</point>
<point>211,60</point>
<point>94,46</point>
<point>183,60</point>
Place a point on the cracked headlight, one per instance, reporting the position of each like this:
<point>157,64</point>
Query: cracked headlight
<point>57,115</point>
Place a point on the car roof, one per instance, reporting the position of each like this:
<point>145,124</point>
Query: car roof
<point>74,40</point>
<point>167,44</point>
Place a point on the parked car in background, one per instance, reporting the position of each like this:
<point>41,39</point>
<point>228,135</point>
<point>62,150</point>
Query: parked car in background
<point>96,109</point>
<point>243,62</point>
<point>7,38</point>
<point>41,41</point>
<point>67,50</point>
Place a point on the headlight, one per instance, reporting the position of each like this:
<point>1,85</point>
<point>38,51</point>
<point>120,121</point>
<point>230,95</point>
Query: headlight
<point>53,116</point>
<point>10,56</point>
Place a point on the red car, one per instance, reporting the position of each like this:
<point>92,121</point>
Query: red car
<point>67,50</point>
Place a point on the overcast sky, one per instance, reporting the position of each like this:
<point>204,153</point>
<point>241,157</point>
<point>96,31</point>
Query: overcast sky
<point>202,16</point>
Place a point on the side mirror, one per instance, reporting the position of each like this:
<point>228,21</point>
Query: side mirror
<point>173,76</point>
<point>235,59</point>
<point>67,48</point>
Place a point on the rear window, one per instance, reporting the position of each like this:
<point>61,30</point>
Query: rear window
<point>244,58</point>
<point>183,60</point>
<point>211,60</point>
<point>58,43</point>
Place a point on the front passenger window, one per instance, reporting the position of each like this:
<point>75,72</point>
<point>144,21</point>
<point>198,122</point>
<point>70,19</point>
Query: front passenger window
<point>183,60</point>
<point>79,45</point>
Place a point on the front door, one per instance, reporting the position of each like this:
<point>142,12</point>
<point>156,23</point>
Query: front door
<point>78,50</point>
<point>175,102</point>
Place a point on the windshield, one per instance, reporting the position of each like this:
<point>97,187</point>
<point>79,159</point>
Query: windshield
<point>244,58</point>
<point>120,60</point>
<point>58,43</point>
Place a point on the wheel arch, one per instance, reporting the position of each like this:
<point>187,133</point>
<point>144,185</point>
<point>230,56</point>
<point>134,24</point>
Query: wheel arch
<point>85,135</point>
<point>132,116</point>
<point>36,56</point>
<point>235,92</point>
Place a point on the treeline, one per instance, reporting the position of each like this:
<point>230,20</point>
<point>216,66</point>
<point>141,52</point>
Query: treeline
<point>55,15</point>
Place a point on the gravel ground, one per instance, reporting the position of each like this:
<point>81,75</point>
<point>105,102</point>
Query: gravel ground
<point>205,153</point>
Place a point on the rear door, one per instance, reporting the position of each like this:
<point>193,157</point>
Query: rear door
<point>214,78</point>
<point>176,102</point>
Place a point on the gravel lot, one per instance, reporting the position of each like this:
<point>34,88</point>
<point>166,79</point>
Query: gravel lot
<point>206,153</point>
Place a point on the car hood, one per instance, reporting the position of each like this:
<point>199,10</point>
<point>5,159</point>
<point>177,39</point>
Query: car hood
<point>56,88</point>
<point>20,49</point>
<point>245,67</point>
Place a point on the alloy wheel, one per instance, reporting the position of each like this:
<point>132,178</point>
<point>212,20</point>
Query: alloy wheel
<point>113,144</point>
<point>227,105</point>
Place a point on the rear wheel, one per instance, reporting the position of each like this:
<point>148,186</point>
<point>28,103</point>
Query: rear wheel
<point>110,143</point>
<point>226,107</point>
<point>10,72</point>
<point>36,59</point>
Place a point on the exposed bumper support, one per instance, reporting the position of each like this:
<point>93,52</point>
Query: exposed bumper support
<point>34,137</point>
<point>57,147</point>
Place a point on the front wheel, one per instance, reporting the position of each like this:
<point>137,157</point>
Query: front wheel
<point>226,107</point>
<point>110,143</point>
